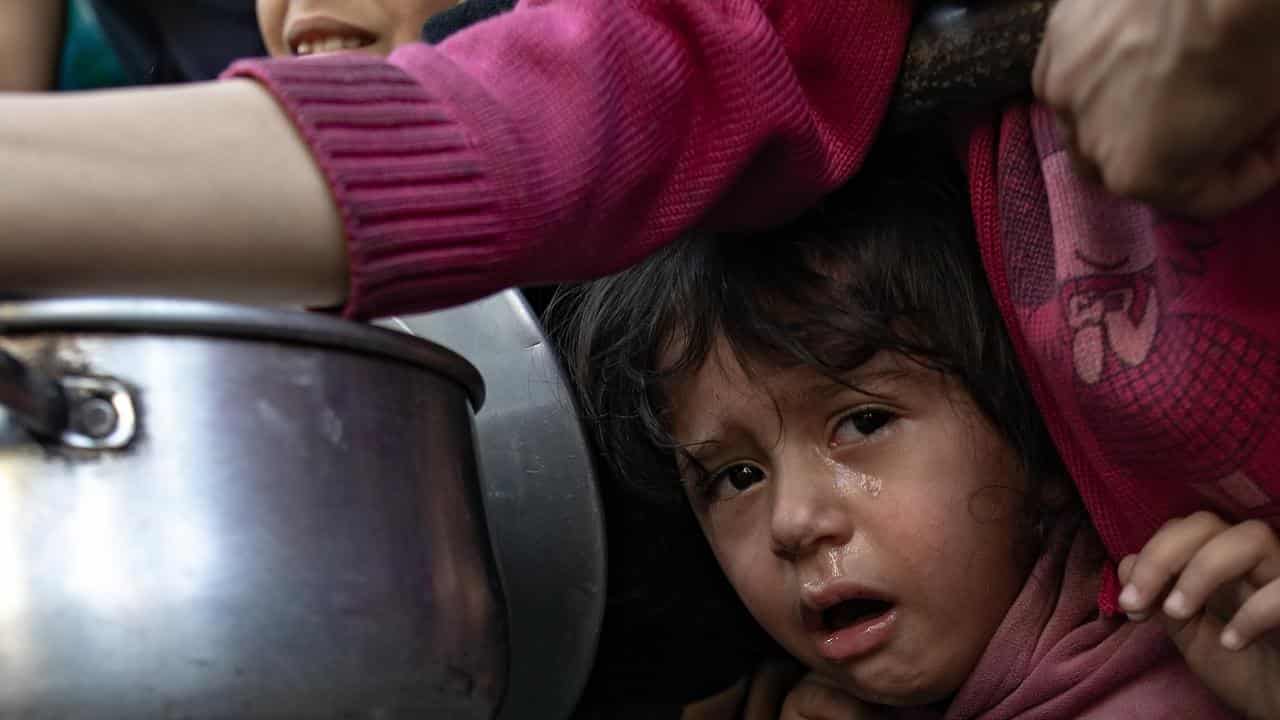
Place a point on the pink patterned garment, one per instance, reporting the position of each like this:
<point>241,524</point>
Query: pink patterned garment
<point>1152,342</point>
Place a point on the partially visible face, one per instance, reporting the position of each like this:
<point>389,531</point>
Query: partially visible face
<point>319,27</point>
<point>871,531</point>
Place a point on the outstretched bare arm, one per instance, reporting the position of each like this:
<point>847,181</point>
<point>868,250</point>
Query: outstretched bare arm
<point>203,190</point>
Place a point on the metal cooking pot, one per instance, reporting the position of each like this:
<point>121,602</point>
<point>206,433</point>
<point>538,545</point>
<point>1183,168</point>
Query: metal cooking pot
<point>213,511</point>
<point>546,517</point>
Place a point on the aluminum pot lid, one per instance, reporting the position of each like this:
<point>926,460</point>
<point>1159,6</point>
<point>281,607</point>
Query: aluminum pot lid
<point>192,317</point>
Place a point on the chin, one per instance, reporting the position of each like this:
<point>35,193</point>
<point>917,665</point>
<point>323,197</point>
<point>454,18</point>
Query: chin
<point>893,684</point>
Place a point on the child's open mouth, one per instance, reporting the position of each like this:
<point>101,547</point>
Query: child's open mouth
<point>848,623</point>
<point>853,612</point>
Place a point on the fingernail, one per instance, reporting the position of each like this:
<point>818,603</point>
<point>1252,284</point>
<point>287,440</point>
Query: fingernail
<point>1231,639</point>
<point>1136,616</point>
<point>1176,605</point>
<point>1130,598</point>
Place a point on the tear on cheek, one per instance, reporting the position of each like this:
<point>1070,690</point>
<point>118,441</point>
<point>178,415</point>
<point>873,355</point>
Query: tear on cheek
<point>850,482</point>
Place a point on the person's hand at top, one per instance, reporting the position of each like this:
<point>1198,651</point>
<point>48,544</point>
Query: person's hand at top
<point>321,27</point>
<point>1216,589</point>
<point>1175,102</point>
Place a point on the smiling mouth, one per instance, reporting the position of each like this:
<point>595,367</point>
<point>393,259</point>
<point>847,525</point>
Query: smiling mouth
<point>321,35</point>
<point>853,612</point>
<point>334,43</point>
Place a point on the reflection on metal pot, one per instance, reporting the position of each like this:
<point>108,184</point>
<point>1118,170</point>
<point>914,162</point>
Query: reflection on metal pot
<point>294,530</point>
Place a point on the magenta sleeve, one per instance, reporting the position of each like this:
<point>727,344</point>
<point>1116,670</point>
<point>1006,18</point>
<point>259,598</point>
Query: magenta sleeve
<point>569,138</point>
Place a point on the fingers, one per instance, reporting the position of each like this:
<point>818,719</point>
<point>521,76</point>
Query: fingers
<point>1259,615</point>
<point>1052,77</point>
<point>813,699</point>
<point>1125,569</point>
<point>1242,179</point>
<point>1241,551</point>
<point>770,684</point>
<point>1198,563</point>
<point>1157,106</point>
<point>1081,166</point>
<point>1044,56</point>
<point>1163,558</point>
<point>1061,79</point>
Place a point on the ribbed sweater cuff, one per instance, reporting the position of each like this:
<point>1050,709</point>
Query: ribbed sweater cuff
<point>411,188</point>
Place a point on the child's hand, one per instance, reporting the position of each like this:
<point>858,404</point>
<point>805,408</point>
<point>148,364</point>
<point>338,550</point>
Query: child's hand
<point>1216,587</point>
<point>782,690</point>
<point>814,699</point>
<point>1170,102</point>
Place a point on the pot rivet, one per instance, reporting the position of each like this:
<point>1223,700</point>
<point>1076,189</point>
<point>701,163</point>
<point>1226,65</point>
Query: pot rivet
<point>96,417</point>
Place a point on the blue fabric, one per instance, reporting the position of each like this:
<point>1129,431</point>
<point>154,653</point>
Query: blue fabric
<point>87,60</point>
<point>167,41</point>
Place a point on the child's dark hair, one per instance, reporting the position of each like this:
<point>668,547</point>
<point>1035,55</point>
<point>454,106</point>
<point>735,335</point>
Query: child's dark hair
<point>889,262</point>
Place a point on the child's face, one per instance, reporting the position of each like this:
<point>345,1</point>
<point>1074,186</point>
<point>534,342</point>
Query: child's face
<point>820,493</point>
<point>314,27</point>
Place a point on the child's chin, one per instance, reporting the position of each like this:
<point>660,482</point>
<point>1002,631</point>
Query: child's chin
<point>880,687</point>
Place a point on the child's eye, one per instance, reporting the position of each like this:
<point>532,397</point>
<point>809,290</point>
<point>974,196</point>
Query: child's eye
<point>730,481</point>
<point>861,424</point>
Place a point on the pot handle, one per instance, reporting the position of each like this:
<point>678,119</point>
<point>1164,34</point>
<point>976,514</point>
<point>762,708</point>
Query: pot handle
<point>966,56</point>
<point>35,400</point>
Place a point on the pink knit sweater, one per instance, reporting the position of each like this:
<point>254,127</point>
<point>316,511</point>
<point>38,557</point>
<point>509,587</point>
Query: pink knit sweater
<point>565,140</point>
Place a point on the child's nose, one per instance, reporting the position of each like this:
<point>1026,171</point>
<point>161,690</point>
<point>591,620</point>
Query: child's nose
<point>807,514</point>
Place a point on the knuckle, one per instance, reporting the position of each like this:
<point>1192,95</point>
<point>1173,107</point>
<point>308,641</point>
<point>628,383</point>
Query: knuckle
<point>1154,565</point>
<point>1256,533</point>
<point>1250,619</point>
<point>805,699</point>
<point>1205,518</point>
<point>1207,568</point>
<point>1055,91</point>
